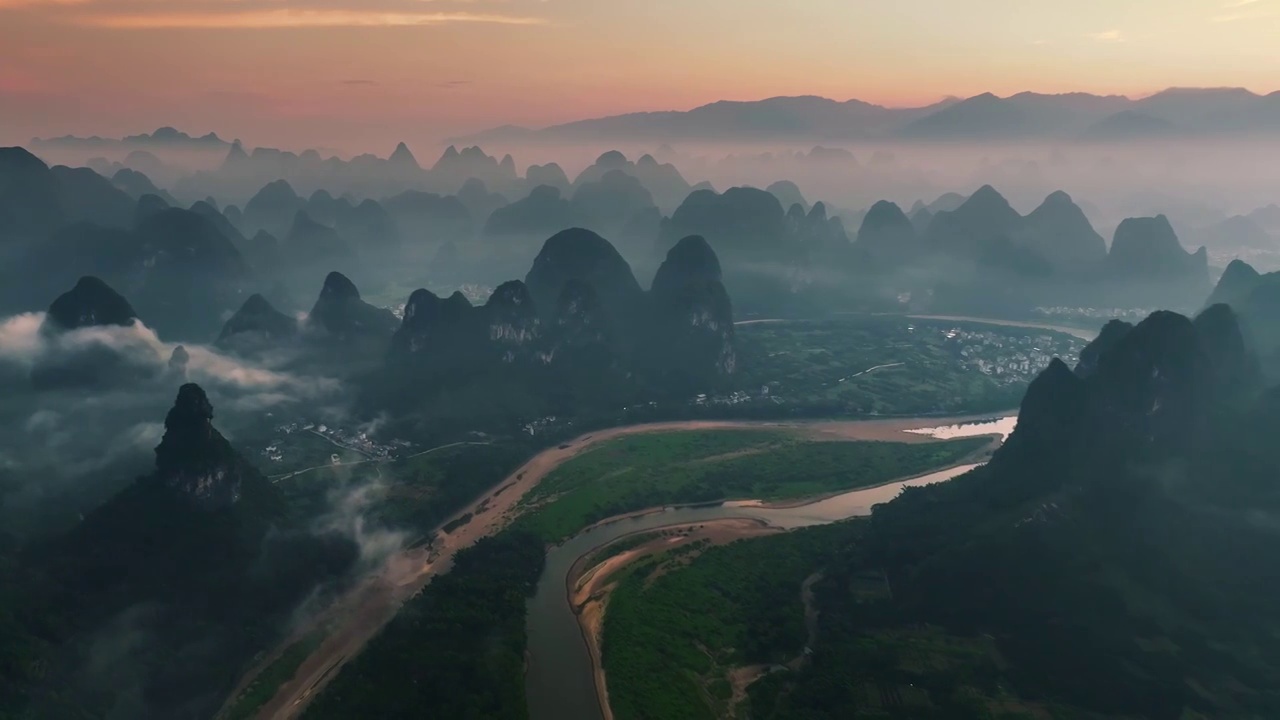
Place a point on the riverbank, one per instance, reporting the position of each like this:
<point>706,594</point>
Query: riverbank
<point>588,589</point>
<point>371,603</point>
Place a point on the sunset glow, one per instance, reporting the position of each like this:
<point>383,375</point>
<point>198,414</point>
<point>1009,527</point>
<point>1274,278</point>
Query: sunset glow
<point>350,74</point>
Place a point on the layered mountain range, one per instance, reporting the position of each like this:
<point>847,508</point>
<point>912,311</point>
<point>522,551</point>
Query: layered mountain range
<point>1176,112</point>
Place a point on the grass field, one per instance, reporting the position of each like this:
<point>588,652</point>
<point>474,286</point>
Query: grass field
<point>642,471</point>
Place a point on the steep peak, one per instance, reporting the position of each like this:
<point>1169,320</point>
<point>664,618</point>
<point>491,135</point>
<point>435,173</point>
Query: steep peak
<point>508,165</point>
<point>513,293</point>
<point>986,197</point>
<point>91,303</point>
<point>236,154</point>
<point>257,304</point>
<point>1058,198</point>
<point>1111,334</point>
<point>275,193</point>
<point>457,302</point>
<point>194,459</point>
<point>338,288</point>
<point>612,159</point>
<point>422,305</point>
<point>179,359</point>
<point>886,214</point>
<point>19,160</point>
<point>1237,282</point>
<point>1233,365</point>
<point>402,156</point>
<point>690,260</point>
<point>1238,270</point>
<point>646,161</point>
<point>1149,237</point>
<point>818,213</point>
<point>191,411</point>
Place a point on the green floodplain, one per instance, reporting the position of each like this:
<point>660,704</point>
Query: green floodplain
<point>637,472</point>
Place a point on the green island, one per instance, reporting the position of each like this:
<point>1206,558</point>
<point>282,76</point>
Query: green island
<point>654,469</point>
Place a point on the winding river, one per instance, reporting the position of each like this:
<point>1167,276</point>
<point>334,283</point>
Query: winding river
<point>560,681</point>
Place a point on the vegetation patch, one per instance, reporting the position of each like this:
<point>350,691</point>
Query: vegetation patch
<point>675,631</point>
<point>456,650</point>
<point>643,471</point>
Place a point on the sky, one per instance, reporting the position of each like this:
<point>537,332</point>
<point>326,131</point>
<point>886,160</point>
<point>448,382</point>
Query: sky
<point>356,74</point>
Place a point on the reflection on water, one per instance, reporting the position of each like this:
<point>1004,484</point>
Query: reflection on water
<point>1001,426</point>
<point>559,682</point>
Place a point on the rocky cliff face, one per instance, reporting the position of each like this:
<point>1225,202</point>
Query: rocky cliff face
<point>194,459</point>
<point>582,334</point>
<point>693,318</point>
<point>514,328</point>
<point>584,256</point>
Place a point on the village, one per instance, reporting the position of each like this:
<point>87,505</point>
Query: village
<point>1009,359</point>
<point>357,441</point>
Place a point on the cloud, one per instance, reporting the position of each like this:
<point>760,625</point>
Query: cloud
<point>1110,36</point>
<point>359,82</point>
<point>281,18</point>
<point>454,84</point>
<point>7,4</point>
<point>144,353</point>
<point>1239,3</point>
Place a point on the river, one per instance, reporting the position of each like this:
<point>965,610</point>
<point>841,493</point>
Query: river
<point>560,681</point>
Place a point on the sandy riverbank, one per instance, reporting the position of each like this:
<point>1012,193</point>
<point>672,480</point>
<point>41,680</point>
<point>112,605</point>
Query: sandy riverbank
<point>589,589</point>
<point>362,611</point>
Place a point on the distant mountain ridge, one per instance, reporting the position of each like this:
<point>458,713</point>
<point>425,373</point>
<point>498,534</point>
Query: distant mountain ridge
<point>1026,115</point>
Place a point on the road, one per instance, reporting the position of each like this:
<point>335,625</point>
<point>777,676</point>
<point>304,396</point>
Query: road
<point>286,476</point>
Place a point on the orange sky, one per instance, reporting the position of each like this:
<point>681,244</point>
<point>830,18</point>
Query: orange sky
<point>357,74</point>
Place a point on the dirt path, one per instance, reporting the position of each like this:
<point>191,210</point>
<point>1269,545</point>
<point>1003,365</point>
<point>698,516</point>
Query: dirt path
<point>1028,324</point>
<point>359,614</point>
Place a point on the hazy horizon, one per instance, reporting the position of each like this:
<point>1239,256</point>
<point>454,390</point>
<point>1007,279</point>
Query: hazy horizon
<point>354,75</point>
